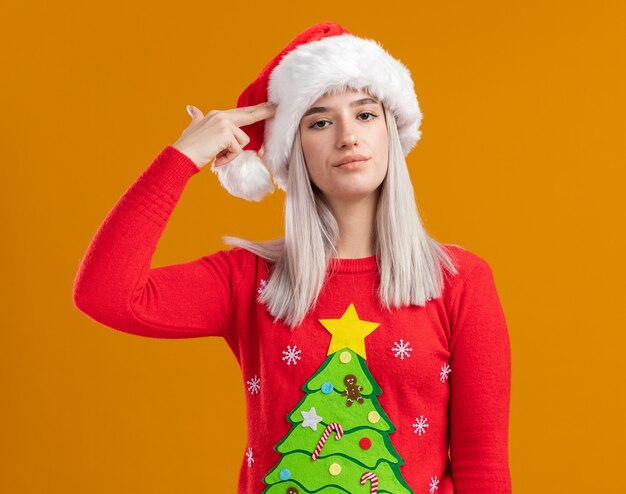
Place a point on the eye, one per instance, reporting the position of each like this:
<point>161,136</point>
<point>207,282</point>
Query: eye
<point>368,113</point>
<point>315,126</point>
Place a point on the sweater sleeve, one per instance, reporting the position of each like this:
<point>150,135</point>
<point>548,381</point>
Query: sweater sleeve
<point>480,386</point>
<point>115,284</point>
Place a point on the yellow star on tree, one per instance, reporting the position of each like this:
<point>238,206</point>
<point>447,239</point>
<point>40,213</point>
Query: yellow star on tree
<point>349,331</point>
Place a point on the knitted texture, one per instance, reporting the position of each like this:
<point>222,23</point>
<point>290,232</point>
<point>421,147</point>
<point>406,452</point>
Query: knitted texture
<point>444,369</point>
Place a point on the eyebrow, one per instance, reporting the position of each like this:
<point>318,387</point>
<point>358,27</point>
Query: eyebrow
<point>322,109</point>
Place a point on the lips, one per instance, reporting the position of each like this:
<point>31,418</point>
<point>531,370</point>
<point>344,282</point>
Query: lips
<point>351,158</point>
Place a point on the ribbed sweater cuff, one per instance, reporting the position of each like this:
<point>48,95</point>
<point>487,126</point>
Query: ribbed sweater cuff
<point>171,169</point>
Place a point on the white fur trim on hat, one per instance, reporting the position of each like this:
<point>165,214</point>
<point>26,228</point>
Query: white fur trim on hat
<point>344,61</point>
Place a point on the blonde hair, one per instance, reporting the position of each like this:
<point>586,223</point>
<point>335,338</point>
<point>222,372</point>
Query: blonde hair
<point>409,261</point>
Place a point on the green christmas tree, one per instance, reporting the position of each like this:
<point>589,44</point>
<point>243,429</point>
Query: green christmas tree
<point>339,440</point>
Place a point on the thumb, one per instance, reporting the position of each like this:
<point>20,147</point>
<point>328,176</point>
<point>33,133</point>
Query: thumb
<point>194,113</point>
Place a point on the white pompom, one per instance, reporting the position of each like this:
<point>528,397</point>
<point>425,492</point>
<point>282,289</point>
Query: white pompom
<point>245,176</point>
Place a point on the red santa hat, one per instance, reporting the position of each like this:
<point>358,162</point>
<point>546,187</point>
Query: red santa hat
<point>324,57</point>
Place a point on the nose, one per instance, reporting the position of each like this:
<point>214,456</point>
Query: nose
<point>347,133</point>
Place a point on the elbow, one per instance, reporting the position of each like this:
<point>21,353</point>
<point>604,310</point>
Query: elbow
<point>84,300</point>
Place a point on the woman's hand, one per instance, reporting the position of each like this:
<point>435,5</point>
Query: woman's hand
<point>217,135</point>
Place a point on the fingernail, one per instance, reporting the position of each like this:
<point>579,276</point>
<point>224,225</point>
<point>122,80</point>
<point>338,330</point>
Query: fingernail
<point>190,111</point>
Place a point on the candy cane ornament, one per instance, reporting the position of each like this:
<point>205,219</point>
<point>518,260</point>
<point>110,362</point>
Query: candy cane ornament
<point>374,478</point>
<point>330,427</point>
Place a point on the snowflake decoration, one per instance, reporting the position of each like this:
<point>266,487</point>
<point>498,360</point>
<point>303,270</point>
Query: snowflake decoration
<point>445,370</point>
<point>254,385</point>
<point>292,355</point>
<point>250,457</point>
<point>263,284</point>
<point>434,484</point>
<point>420,425</point>
<point>402,349</point>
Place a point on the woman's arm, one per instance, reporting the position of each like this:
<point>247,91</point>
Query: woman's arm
<point>115,284</point>
<point>480,387</point>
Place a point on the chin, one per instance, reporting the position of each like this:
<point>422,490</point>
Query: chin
<point>353,194</point>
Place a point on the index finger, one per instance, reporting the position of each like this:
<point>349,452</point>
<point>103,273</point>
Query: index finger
<point>247,115</point>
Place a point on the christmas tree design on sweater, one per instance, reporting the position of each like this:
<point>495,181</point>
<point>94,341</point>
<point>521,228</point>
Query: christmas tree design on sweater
<point>339,440</point>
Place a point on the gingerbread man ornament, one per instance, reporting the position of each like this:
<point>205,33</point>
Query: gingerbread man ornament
<point>352,391</point>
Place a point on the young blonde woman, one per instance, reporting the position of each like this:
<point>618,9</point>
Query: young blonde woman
<point>373,357</point>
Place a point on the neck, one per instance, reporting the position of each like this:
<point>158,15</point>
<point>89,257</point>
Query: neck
<point>356,221</point>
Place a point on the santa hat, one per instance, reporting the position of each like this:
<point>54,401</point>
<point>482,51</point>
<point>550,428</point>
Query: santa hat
<point>326,56</point>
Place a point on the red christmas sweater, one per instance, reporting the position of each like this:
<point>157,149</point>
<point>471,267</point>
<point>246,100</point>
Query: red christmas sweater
<point>356,398</point>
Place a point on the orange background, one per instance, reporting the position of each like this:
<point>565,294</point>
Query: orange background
<point>521,161</point>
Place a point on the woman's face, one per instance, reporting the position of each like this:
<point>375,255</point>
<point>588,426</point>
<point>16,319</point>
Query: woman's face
<point>339,126</point>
